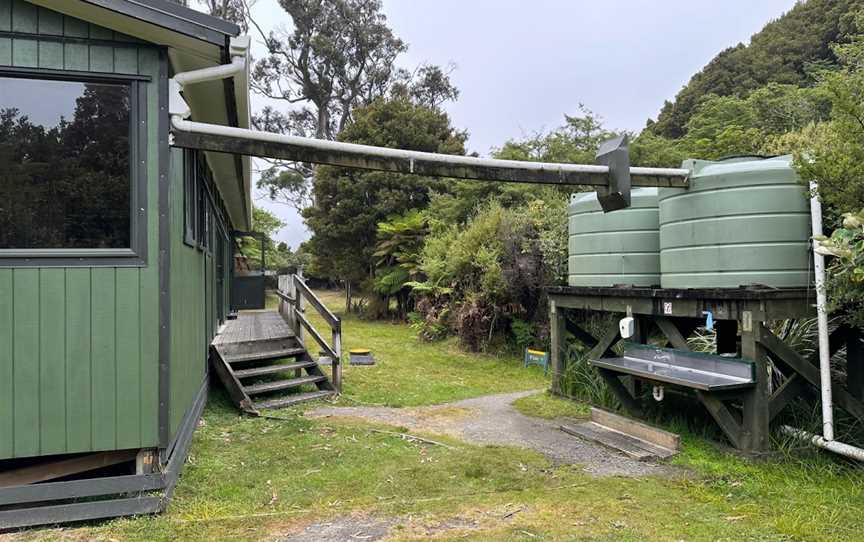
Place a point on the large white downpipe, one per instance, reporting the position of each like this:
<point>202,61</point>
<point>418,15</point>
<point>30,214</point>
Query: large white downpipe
<point>822,315</point>
<point>237,69</point>
<point>179,110</point>
<point>355,149</point>
<point>215,73</point>
<point>826,441</point>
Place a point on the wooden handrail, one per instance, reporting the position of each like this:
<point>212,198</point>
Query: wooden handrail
<point>292,301</point>
<point>315,335</point>
<point>310,296</point>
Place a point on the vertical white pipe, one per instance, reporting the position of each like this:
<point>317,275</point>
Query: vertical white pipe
<point>822,316</point>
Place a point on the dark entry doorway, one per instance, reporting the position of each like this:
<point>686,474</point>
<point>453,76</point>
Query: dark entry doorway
<point>247,270</point>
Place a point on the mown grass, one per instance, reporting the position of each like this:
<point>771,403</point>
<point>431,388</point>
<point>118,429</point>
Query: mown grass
<point>258,478</point>
<point>548,406</point>
<point>409,372</point>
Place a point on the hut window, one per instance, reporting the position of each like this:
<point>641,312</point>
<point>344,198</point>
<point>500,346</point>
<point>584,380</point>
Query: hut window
<point>65,174</point>
<point>190,179</point>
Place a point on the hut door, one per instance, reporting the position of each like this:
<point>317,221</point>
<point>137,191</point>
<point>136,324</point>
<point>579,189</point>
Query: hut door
<point>247,276</point>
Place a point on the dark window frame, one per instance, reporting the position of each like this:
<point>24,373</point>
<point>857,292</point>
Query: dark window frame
<point>190,188</point>
<point>136,254</point>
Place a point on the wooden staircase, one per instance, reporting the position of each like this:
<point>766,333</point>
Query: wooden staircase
<point>263,359</point>
<point>269,374</point>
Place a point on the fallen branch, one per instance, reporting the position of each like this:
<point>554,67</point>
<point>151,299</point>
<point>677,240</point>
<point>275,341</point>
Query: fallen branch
<point>413,437</point>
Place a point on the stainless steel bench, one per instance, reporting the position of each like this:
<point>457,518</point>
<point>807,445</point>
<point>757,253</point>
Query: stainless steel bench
<point>706,372</point>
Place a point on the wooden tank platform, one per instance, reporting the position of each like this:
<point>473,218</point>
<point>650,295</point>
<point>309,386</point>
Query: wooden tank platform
<point>742,317</point>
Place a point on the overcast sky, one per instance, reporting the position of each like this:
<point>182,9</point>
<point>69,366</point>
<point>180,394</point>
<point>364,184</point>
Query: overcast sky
<point>521,65</point>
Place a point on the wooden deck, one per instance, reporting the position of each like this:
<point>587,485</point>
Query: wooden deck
<point>254,326</point>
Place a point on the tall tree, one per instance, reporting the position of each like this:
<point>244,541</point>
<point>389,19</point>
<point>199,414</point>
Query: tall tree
<point>339,54</point>
<point>349,204</point>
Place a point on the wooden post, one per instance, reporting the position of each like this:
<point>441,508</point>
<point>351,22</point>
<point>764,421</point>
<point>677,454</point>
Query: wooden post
<point>557,322</point>
<point>757,414</point>
<point>854,363</point>
<point>298,307</point>
<point>146,461</point>
<point>337,361</point>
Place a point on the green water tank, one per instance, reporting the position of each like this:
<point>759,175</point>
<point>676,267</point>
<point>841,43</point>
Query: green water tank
<point>616,248</point>
<point>741,222</point>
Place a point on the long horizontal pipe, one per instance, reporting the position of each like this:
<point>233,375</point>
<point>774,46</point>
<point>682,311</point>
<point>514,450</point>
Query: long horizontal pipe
<point>229,139</point>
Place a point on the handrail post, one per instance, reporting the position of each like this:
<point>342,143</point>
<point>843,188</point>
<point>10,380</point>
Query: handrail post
<point>298,307</point>
<point>337,361</point>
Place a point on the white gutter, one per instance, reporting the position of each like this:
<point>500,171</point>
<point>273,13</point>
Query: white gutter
<point>826,441</point>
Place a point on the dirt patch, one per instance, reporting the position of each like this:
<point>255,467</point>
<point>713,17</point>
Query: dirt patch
<point>492,419</point>
<point>342,530</point>
<point>368,529</point>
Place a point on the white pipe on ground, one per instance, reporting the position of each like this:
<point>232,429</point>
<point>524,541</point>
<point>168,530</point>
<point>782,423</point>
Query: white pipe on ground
<point>837,447</point>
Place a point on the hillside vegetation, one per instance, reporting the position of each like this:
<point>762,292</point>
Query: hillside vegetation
<point>789,51</point>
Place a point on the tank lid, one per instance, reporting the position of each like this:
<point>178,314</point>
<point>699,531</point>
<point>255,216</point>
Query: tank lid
<point>740,164</point>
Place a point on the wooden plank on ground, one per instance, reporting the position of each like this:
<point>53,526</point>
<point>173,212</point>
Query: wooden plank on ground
<point>66,467</point>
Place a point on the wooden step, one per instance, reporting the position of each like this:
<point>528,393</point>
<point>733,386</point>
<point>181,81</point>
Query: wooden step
<point>273,369</point>
<point>265,355</point>
<point>628,445</point>
<point>292,400</point>
<point>282,384</point>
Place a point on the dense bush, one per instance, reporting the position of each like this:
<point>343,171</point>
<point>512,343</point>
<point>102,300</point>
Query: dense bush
<point>491,271</point>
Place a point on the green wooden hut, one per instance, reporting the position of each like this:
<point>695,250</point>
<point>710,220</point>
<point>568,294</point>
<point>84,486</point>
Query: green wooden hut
<point>115,250</point>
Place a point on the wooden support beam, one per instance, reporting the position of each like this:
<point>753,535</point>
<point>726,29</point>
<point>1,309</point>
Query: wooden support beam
<point>65,467</point>
<point>755,435</point>
<point>460,167</point>
<point>557,323</point>
<point>782,396</point>
<point>581,335</point>
<point>810,372</point>
<point>620,391</point>
<point>671,331</point>
<point>606,342</point>
<point>724,418</point>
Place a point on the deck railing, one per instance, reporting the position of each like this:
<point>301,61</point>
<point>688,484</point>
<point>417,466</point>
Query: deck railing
<point>294,295</point>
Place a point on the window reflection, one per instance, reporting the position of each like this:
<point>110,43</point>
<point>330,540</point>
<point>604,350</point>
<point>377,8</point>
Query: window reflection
<point>64,165</point>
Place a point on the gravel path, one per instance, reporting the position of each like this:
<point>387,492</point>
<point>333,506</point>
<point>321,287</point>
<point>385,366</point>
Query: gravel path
<point>492,419</point>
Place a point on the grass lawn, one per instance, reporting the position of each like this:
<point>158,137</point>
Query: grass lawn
<point>256,478</point>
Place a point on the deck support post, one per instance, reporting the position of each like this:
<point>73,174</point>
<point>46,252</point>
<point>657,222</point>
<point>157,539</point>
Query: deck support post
<point>757,413</point>
<point>557,329</point>
<point>337,360</point>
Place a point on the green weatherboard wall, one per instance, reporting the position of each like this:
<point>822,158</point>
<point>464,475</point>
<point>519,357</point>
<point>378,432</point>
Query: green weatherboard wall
<point>79,345</point>
<point>741,222</point>
<point>620,247</point>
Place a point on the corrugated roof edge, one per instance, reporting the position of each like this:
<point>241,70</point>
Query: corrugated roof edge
<point>173,17</point>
